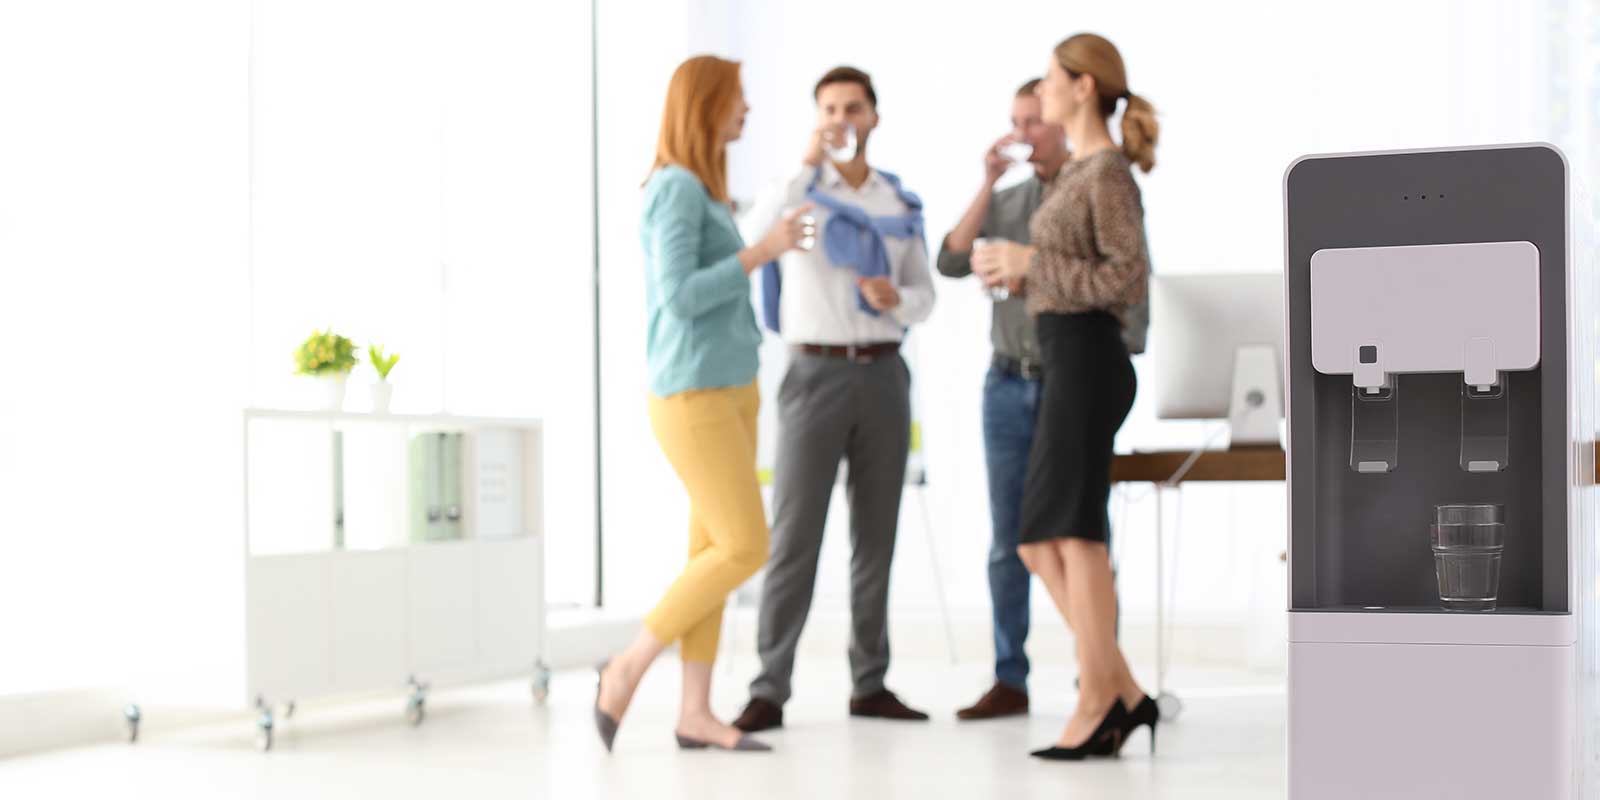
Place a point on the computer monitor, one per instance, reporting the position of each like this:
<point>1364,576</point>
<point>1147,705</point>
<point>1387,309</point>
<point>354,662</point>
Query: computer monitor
<point>1216,345</point>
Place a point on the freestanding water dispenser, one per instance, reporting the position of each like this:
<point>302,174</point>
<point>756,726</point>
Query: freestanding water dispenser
<point>1441,478</point>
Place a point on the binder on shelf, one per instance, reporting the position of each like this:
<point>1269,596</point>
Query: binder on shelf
<point>494,476</point>
<point>435,487</point>
<point>423,492</point>
<point>450,486</point>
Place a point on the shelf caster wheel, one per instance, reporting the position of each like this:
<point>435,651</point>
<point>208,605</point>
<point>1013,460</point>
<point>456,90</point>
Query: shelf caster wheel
<point>1170,706</point>
<point>264,725</point>
<point>132,715</point>
<point>541,683</point>
<point>417,704</point>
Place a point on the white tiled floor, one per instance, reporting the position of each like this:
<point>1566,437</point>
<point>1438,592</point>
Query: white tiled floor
<point>492,741</point>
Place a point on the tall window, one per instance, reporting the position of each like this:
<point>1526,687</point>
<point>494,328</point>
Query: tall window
<point>421,179</point>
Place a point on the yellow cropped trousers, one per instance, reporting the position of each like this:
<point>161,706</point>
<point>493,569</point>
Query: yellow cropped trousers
<point>709,436</point>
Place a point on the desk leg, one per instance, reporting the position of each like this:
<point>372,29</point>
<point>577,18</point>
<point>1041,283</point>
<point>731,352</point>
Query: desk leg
<point>1169,703</point>
<point>1161,591</point>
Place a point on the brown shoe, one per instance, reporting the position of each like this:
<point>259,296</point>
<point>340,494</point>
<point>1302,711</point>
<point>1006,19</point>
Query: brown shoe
<point>759,715</point>
<point>884,705</point>
<point>1000,701</point>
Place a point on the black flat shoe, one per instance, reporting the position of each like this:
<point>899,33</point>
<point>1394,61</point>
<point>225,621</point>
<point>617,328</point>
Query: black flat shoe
<point>745,744</point>
<point>1105,741</point>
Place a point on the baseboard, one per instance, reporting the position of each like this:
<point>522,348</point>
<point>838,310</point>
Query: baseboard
<point>582,638</point>
<point>38,721</point>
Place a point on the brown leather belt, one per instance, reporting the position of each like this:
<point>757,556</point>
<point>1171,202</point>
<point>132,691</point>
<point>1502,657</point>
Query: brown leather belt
<point>859,353</point>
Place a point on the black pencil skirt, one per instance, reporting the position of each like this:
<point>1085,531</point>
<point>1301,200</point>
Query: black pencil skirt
<point>1088,388</point>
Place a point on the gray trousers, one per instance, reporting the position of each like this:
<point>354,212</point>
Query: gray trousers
<point>828,409</point>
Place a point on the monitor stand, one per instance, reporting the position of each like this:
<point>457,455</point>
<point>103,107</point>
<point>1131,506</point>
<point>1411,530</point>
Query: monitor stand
<point>1255,406</point>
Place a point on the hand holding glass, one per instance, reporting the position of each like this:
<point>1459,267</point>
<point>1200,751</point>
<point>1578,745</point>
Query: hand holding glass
<point>797,230</point>
<point>999,293</point>
<point>808,232</point>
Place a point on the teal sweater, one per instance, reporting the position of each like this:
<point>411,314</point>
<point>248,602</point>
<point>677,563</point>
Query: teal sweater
<point>702,331</point>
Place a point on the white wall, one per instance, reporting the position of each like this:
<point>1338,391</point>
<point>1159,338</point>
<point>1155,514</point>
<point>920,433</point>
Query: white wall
<point>420,179</point>
<point>1242,89</point>
<point>123,214</point>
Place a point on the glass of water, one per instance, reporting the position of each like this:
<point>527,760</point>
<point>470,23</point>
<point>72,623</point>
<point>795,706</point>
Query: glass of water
<point>1000,293</point>
<point>842,146</point>
<point>1017,151</point>
<point>1468,540</point>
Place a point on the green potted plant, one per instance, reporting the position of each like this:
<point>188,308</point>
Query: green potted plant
<point>382,390</point>
<point>327,357</point>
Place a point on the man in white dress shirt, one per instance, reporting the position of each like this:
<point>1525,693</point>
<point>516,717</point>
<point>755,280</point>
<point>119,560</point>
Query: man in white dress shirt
<point>843,308</point>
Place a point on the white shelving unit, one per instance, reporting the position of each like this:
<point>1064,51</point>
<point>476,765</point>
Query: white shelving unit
<point>327,614</point>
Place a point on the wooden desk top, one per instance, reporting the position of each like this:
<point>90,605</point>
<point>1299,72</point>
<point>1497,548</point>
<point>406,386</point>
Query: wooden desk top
<point>1238,464</point>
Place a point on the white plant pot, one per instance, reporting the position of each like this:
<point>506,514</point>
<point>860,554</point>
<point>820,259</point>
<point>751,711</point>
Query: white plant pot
<point>331,390</point>
<point>381,392</point>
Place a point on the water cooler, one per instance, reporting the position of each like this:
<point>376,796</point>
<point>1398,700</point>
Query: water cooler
<point>1440,357</point>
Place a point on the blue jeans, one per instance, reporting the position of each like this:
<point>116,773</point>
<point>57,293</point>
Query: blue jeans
<point>1010,411</point>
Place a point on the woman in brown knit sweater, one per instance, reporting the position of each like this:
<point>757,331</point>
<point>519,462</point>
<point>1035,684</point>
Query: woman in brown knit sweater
<point>1086,267</point>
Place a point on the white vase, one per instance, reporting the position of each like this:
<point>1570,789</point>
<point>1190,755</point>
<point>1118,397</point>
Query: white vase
<point>331,388</point>
<point>381,392</point>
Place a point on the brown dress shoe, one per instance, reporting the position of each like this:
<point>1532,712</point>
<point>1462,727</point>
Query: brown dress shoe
<point>884,705</point>
<point>1000,701</point>
<point>759,715</point>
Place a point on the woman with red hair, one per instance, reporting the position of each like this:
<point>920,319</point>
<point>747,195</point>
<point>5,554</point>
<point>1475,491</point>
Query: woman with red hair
<point>701,352</point>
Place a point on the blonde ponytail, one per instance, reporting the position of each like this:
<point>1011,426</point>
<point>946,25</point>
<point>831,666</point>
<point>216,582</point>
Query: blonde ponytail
<point>1096,55</point>
<point>1140,131</point>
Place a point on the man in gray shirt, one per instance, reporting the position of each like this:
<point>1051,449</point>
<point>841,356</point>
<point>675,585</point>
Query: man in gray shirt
<point>1011,389</point>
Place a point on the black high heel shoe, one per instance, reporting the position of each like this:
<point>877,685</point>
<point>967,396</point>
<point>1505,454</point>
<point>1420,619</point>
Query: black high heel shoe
<point>1105,741</point>
<point>1148,712</point>
<point>604,723</point>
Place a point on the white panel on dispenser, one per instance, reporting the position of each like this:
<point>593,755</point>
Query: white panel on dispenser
<point>1490,722</point>
<point>1378,311</point>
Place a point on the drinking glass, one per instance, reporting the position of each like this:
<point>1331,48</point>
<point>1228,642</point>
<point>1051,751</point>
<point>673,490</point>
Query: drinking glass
<point>998,294</point>
<point>1468,540</point>
<point>842,147</point>
<point>1017,152</point>
<point>808,225</point>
